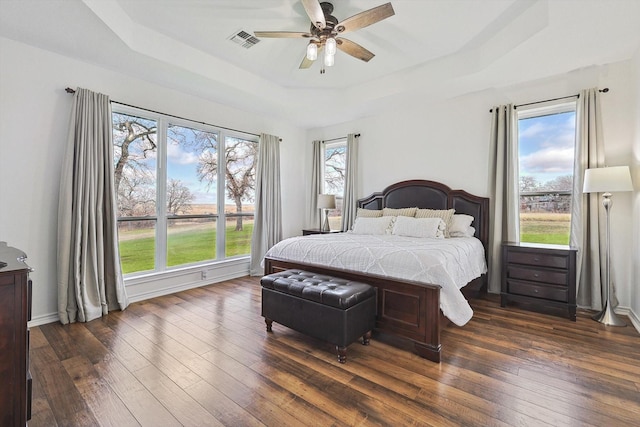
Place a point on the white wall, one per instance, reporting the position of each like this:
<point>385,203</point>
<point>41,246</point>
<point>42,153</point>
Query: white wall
<point>34,117</point>
<point>447,141</point>
<point>635,214</point>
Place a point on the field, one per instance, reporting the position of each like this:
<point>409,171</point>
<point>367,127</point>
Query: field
<point>550,228</point>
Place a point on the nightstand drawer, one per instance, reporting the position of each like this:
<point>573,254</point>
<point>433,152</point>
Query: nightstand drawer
<point>555,293</point>
<point>553,277</point>
<point>542,260</point>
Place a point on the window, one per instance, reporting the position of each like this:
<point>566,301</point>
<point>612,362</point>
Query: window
<point>546,147</point>
<point>176,206</point>
<point>335,162</point>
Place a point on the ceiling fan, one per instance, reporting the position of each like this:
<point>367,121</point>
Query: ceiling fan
<point>324,31</point>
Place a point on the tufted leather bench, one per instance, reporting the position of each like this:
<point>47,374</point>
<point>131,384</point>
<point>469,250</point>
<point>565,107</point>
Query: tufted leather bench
<point>324,307</point>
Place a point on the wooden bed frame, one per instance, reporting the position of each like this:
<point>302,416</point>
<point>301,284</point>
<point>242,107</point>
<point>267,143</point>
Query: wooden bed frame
<point>405,308</point>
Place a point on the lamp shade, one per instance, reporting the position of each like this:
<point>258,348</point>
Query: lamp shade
<point>326,201</point>
<point>607,180</point>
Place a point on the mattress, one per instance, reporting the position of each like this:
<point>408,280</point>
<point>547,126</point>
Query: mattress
<point>450,263</point>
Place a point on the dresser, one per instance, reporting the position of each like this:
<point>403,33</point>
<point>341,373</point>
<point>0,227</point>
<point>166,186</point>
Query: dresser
<point>15,312</point>
<point>541,276</point>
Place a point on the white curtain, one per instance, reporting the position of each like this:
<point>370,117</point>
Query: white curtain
<point>267,229</point>
<point>587,225</point>
<point>504,189</point>
<point>349,208</point>
<point>317,177</point>
<point>89,274</point>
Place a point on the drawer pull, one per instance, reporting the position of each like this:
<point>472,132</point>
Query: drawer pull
<point>535,291</point>
<point>536,259</point>
<point>536,275</point>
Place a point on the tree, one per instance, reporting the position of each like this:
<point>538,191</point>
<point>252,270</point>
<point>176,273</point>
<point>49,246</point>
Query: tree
<point>560,183</point>
<point>127,131</point>
<point>179,197</point>
<point>334,169</point>
<point>528,183</point>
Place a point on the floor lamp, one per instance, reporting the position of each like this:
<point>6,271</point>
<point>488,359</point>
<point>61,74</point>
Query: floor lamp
<point>325,202</point>
<point>607,181</point>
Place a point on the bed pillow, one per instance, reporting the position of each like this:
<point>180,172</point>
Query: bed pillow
<point>469,232</point>
<point>419,227</point>
<point>369,213</point>
<point>399,212</point>
<point>444,214</point>
<point>460,223</point>
<point>364,225</point>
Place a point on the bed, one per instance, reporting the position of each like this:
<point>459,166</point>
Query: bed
<point>407,306</point>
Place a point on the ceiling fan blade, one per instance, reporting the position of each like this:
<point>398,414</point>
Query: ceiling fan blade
<point>354,49</point>
<point>282,34</point>
<point>366,18</point>
<point>316,15</point>
<point>306,63</point>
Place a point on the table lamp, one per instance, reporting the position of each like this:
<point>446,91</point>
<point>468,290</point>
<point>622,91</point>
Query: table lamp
<point>326,202</point>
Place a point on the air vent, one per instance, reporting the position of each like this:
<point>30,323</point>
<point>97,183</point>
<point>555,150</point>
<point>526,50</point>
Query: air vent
<point>244,39</point>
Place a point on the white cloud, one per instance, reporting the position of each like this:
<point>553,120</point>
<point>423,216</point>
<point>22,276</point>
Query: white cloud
<point>558,160</point>
<point>176,155</point>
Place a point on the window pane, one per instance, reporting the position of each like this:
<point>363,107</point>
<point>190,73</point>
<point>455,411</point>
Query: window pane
<point>335,166</point>
<point>192,176</point>
<point>546,145</point>
<point>190,240</point>
<point>137,244</point>
<point>240,187</point>
<point>135,154</point>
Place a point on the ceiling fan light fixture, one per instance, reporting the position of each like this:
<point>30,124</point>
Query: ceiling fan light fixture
<point>329,59</point>
<point>312,51</point>
<point>330,45</point>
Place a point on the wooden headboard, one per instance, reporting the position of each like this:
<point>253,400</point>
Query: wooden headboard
<point>433,195</point>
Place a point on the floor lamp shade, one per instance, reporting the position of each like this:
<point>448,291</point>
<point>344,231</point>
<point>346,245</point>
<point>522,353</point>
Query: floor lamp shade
<point>326,202</point>
<point>607,181</point>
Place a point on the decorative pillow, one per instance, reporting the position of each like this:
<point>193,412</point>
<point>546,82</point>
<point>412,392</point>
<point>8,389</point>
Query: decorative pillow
<point>460,223</point>
<point>419,227</point>
<point>445,214</point>
<point>369,213</point>
<point>468,233</point>
<point>399,212</point>
<point>364,225</point>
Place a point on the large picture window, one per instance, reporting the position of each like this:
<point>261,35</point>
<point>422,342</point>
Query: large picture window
<point>335,164</point>
<point>185,193</point>
<point>546,147</point>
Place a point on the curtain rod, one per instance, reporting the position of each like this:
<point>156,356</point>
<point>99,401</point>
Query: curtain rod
<point>69,90</point>
<point>357,135</point>
<point>577,95</point>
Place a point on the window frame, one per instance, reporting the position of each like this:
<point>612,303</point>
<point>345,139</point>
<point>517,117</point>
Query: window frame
<point>162,217</point>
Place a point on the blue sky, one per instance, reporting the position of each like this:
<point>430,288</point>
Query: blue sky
<point>546,146</point>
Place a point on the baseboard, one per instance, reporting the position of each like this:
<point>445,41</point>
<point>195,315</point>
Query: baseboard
<point>43,319</point>
<point>624,311</point>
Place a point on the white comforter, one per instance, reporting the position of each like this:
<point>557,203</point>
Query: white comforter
<point>450,263</point>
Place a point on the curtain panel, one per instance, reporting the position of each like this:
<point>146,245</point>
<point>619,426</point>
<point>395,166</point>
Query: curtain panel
<point>267,228</point>
<point>90,280</point>
<point>317,187</point>
<point>504,189</point>
<point>350,199</point>
<point>588,227</point>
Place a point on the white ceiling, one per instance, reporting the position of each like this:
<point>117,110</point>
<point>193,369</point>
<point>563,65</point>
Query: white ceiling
<point>430,49</point>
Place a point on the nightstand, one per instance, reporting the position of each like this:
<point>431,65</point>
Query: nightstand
<point>309,231</point>
<point>539,275</point>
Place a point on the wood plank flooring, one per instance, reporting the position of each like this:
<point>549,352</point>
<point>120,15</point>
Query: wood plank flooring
<point>202,357</point>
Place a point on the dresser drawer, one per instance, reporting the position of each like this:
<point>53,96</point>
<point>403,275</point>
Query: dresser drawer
<point>554,277</point>
<point>537,259</point>
<point>555,293</point>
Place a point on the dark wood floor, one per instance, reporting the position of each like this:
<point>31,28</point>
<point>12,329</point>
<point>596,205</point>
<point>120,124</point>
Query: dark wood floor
<point>202,358</point>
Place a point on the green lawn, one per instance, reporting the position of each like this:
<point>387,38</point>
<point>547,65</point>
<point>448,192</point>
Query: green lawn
<point>549,228</point>
<point>184,247</point>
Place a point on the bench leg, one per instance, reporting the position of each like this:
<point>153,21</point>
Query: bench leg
<point>342,354</point>
<point>366,338</point>
<point>269,323</point>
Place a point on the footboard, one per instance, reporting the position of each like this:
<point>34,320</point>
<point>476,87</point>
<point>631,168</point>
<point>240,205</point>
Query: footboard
<point>406,309</point>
